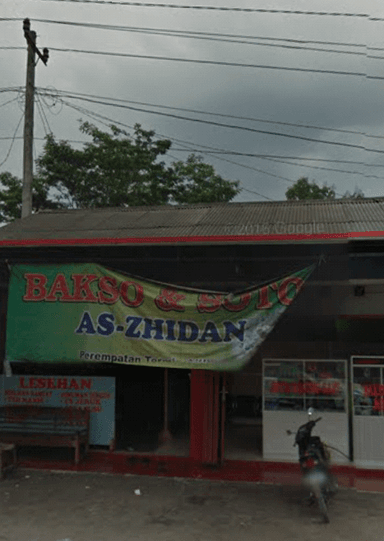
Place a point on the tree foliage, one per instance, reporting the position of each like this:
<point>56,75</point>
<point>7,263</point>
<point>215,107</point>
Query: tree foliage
<point>114,169</point>
<point>11,194</point>
<point>197,182</point>
<point>357,194</point>
<point>303,189</point>
<point>117,170</point>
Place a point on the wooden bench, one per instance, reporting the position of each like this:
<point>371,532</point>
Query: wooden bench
<point>45,427</point>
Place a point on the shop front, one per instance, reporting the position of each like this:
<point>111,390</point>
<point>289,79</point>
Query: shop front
<point>155,359</point>
<point>160,368</point>
<point>202,350</point>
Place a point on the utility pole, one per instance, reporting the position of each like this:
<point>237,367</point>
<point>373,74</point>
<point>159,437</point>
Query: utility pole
<point>30,36</point>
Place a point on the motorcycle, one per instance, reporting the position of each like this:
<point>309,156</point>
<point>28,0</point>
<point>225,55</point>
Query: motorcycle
<point>314,459</point>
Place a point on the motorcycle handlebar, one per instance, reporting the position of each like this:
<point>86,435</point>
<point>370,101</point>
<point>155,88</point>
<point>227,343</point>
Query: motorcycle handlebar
<point>308,426</point>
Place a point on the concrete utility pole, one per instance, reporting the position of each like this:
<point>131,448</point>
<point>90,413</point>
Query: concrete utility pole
<point>30,36</point>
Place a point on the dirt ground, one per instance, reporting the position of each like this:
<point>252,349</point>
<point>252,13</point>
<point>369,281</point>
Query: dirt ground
<point>55,506</point>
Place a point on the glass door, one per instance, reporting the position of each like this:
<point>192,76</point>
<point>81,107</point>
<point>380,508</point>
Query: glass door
<point>368,411</point>
<point>290,387</point>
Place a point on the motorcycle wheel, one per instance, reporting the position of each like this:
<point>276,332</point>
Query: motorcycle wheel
<point>331,489</point>
<point>334,486</point>
<point>322,506</point>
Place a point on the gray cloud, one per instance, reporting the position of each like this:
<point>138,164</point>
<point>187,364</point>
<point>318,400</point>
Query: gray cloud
<point>334,101</point>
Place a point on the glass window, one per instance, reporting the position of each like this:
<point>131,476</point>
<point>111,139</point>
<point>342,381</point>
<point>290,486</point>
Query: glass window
<point>368,390</point>
<point>298,385</point>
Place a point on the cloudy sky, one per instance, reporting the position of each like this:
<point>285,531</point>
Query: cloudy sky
<point>267,91</point>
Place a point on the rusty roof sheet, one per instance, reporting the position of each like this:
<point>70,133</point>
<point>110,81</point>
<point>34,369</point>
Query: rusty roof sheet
<point>282,221</point>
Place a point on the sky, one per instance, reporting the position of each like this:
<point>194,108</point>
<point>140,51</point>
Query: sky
<point>265,91</point>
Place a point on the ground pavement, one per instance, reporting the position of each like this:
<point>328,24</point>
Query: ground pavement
<point>56,506</point>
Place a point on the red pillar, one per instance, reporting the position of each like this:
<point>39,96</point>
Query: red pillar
<point>205,412</point>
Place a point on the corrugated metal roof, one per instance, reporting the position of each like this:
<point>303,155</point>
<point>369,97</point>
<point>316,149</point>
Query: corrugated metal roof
<point>283,221</point>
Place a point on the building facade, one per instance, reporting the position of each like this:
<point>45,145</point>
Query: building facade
<point>330,340</point>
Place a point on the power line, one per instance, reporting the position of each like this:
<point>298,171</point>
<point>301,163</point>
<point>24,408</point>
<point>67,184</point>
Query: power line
<point>215,62</point>
<point>288,161</point>
<point>102,118</point>
<point>226,38</point>
<point>211,151</point>
<point>96,116</point>
<point>231,126</point>
<point>13,140</point>
<point>316,167</point>
<point>257,193</point>
<point>9,101</point>
<point>223,115</point>
<point>11,89</point>
<point>43,116</point>
<point>281,158</point>
<point>312,49</point>
<point>198,33</point>
<point>217,8</point>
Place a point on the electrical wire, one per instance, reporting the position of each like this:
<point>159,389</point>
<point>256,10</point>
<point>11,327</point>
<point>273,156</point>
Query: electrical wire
<point>285,160</point>
<point>43,116</point>
<point>191,33</point>
<point>9,101</point>
<point>243,189</point>
<point>13,140</point>
<point>231,126</point>
<point>11,89</point>
<point>282,158</point>
<point>98,117</point>
<point>216,62</point>
<point>205,150</point>
<point>52,93</point>
<point>212,151</point>
<point>256,193</point>
<point>102,119</point>
<point>317,167</point>
<point>221,37</point>
<point>217,8</point>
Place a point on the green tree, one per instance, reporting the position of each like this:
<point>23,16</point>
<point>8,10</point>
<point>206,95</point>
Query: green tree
<point>11,193</point>
<point>303,189</point>
<point>357,194</point>
<point>115,169</point>
<point>197,182</point>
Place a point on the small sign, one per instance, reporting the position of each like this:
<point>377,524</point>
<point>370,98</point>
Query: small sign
<point>95,394</point>
<point>372,360</point>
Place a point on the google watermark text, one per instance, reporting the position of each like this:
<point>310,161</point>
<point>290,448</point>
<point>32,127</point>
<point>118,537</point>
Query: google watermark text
<point>278,228</point>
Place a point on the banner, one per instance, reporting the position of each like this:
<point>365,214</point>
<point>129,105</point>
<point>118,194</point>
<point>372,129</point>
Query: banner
<point>86,312</point>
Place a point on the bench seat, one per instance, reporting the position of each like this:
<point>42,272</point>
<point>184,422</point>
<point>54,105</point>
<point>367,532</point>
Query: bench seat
<point>45,427</point>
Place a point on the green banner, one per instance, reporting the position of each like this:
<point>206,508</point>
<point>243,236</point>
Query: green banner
<point>86,312</point>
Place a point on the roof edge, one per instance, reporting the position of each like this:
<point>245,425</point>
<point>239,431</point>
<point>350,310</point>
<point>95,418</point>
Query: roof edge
<point>144,208</point>
<point>197,239</point>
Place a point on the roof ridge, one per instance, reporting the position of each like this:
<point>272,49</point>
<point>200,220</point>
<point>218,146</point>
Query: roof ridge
<point>289,202</point>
